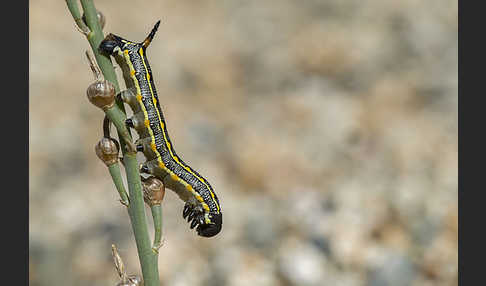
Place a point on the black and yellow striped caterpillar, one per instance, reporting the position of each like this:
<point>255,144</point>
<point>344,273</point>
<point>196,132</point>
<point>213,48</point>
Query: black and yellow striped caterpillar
<point>202,206</point>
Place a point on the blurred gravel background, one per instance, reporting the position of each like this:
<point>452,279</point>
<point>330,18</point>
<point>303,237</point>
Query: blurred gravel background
<point>327,128</point>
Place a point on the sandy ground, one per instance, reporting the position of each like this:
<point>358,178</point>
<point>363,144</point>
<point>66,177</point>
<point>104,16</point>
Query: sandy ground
<point>327,128</point>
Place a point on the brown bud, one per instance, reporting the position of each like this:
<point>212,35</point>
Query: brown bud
<point>153,191</point>
<point>132,280</point>
<point>126,280</point>
<point>101,19</point>
<point>135,279</point>
<point>107,151</point>
<point>101,93</point>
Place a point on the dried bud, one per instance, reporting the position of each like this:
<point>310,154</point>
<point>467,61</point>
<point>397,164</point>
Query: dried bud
<point>133,280</point>
<point>130,280</point>
<point>102,94</point>
<point>101,19</point>
<point>153,191</point>
<point>107,151</point>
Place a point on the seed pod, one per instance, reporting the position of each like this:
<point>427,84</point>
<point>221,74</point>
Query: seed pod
<point>101,19</point>
<point>107,151</point>
<point>153,191</point>
<point>102,94</point>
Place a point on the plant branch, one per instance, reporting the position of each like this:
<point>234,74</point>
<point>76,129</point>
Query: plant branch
<point>157,218</point>
<point>148,259</point>
<point>117,180</point>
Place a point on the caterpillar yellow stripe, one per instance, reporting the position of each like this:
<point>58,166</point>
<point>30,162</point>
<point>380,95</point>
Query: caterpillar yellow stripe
<point>202,208</point>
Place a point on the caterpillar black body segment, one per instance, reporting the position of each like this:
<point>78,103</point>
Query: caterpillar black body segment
<point>202,206</point>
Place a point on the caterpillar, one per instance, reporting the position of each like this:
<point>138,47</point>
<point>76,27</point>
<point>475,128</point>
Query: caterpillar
<point>202,207</point>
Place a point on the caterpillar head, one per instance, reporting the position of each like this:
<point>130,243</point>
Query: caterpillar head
<point>110,43</point>
<point>196,218</point>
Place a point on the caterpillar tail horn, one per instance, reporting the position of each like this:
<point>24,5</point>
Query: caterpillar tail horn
<point>149,38</point>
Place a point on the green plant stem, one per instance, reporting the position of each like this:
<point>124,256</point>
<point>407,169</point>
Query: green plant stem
<point>148,259</point>
<point>94,38</point>
<point>117,179</point>
<point>157,217</point>
<point>73,8</point>
<point>118,118</point>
